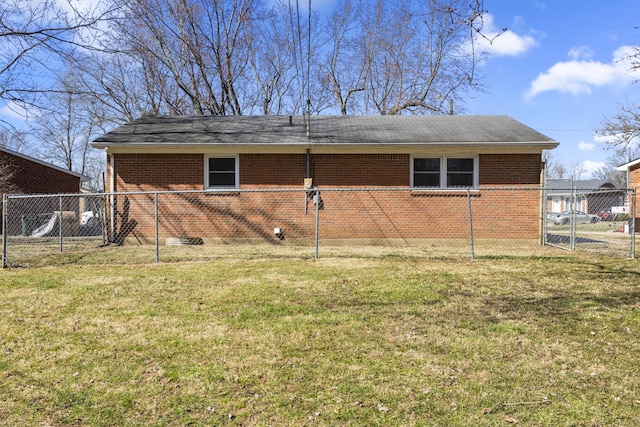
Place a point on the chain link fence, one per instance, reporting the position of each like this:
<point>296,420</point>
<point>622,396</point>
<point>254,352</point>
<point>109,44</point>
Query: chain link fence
<point>186,225</point>
<point>597,220</point>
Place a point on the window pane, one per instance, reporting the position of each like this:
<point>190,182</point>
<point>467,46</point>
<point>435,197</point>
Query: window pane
<point>426,172</point>
<point>222,172</point>
<point>224,179</point>
<point>459,180</point>
<point>459,172</point>
<point>426,180</point>
<point>426,165</point>
<point>460,165</point>
<point>222,164</point>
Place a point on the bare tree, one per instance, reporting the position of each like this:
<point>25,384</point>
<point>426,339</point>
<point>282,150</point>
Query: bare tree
<point>623,129</point>
<point>199,45</point>
<point>120,87</point>
<point>421,55</point>
<point>13,139</point>
<point>64,133</point>
<point>553,168</point>
<point>271,43</point>
<point>609,172</point>
<point>34,36</point>
<point>344,71</point>
<point>577,170</point>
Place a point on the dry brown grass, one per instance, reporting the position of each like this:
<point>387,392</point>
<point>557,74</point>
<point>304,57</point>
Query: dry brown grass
<point>383,339</point>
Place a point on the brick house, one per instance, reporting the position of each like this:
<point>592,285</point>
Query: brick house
<point>434,159</point>
<point>587,195</point>
<point>33,176</point>
<point>632,169</point>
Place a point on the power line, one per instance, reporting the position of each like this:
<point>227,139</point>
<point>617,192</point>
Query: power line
<point>567,130</point>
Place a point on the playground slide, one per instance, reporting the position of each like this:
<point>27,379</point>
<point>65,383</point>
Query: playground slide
<point>45,228</point>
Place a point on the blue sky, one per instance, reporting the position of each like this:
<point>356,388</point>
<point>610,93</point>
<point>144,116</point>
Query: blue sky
<point>561,70</point>
<point>558,69</point>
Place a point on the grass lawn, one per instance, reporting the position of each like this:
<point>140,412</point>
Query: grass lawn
<point>397,340</point>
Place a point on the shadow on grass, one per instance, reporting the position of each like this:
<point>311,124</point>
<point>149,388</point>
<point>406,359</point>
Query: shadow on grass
<point>608,289</point>
<point>560,239</point>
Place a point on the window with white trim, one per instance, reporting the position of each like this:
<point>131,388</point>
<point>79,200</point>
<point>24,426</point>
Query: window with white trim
<point>221,172</point>
<point>444,172</point>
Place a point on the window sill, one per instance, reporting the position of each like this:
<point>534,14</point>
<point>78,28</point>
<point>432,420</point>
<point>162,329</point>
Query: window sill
<point>446,192</point>
<point>222,192</point>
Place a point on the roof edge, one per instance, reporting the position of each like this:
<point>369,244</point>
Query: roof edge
<point>545,145</point>
<point>83,178</point>
<point>628,165</point>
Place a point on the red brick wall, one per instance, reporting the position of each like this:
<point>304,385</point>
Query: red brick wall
<point>327,170</point>
<point>361,170</point>
<point>31,177</point>
<point>354,214</point>
<point>374,214</point>
<point>159,172</point>
<point>272,170</point>
<point>510,169</point>
<point>634,182</point>
<point>634,177</point>
<point>34,178</point>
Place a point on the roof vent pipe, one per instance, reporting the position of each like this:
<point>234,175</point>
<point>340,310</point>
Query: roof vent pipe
<point>290,120</point>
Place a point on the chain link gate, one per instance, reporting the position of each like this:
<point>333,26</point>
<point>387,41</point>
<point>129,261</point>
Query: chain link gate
<point>593,220</point>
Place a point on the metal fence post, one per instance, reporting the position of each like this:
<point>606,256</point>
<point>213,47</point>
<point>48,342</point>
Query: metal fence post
<point>316,200</point>
<point>60,222</point>
<point>155,206</point>
<point>543,210</point>
<point>470,224</point>
<point>572,220</point>
<point>5,201</point>
<point>632,225</point>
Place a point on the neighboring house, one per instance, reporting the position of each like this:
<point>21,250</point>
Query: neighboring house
<point>437,156</point>
<point>590,196</point>
<point>33,176</point>
<point>632,170</point>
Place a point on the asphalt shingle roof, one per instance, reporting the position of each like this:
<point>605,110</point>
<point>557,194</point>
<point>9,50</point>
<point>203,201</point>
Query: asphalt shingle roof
<point>567,184</point>
<point>163,131</point>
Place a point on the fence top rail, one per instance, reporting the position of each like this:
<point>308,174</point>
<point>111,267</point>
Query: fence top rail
<point>549,191</point>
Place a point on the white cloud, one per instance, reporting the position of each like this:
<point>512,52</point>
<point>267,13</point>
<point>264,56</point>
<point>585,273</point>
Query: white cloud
<point>581,53</point>
<point>616,140</point>
<point>12,111</point>
<point>82,6</point>
<point>581,76</point>
<point>589,166</point>
<point>503,44</point>
<point>604,139</point>
<point>585,146</point>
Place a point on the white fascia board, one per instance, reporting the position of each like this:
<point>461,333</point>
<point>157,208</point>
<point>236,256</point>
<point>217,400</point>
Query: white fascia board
<point>327,148</point>
<point>627,166</point>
